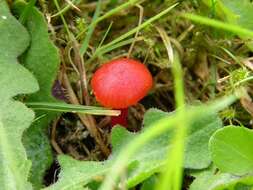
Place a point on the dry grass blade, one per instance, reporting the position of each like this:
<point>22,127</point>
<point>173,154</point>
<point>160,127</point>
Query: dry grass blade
<point>71,4</point>
<point>137,32</point>
<point>201,67</point>
<point>167,43</point>
<point>247,104</point>
<point>78,60</point>
<point>56,147</point>
<point>248,63</point>
<point>90,125</point>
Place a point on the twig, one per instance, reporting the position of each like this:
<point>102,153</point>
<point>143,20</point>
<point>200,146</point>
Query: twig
<point>83,79</point>
<point>68,50</point>
<point>80,65</point>
<point>53,137</point>
<point>104,122</point>
<point>91,127</point>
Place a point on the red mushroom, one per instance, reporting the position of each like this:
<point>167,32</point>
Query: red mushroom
<point>119,84</point>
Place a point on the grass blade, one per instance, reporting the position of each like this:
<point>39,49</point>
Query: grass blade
<point>219,25</point>
<point>171,179</point>
<point>86,41</point>
<point>62,18</point>
<point>63,107</point>
<point>65,9</point>
<point>110,13</point>
<point>143,25</point>
<point>134,30</point>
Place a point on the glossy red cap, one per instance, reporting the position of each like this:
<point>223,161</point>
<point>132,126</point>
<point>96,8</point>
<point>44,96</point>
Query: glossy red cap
<point>121,83</point>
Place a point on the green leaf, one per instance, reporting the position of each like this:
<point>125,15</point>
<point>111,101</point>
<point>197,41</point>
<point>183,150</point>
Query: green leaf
<point>235,12</point>
<point>208,180</point>
<point>14,116</point>
<point>76,173</point>
<point>149,160</point>
<point>42,60</point>
<point>201,129</point>
<point>231,150</point>
<point>150,183</point>
<point>221,181</point>
<point>243,11</point>
<point>152,156</point>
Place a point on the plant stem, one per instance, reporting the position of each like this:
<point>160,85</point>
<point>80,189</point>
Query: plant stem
<point>121,119</point>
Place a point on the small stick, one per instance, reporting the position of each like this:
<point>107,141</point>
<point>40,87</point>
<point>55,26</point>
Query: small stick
<point>83,79</point>
<point>53,137</point>
<point>84,118</point>
<point>80,65</point>
<point>104,122</point>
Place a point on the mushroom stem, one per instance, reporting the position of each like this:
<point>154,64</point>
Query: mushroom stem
<point>121,119</point>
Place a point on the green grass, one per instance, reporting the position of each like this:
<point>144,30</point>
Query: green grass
<point>107,47</point>
<point>62,18</point>
<point>111,13</point>
<point>223,60</point>
<point>87,38</point>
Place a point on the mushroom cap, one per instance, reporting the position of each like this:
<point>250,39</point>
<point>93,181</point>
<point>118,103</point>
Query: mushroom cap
<point>121,83</point>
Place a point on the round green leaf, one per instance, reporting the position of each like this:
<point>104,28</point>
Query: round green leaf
<point>231,150</point>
